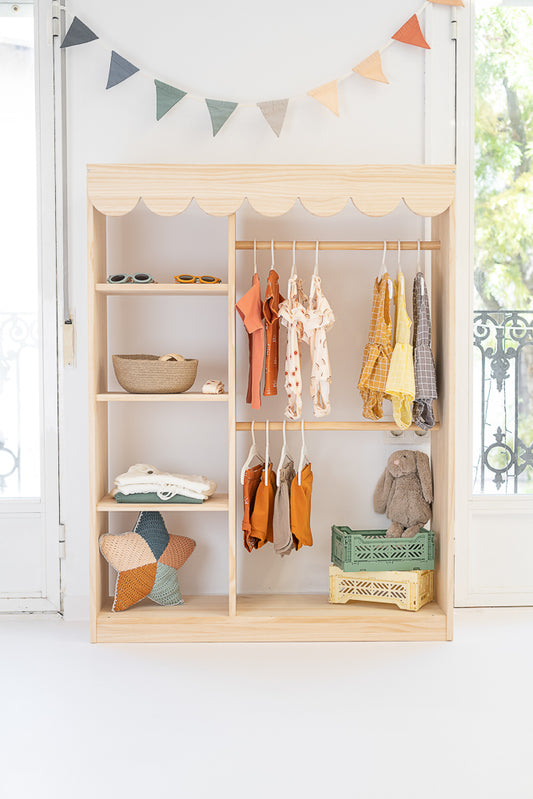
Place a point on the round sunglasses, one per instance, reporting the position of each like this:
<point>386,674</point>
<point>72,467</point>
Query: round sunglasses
<point>196,279</point>
<point>138,277</point>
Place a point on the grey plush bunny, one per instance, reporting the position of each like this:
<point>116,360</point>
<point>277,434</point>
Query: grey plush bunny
<point>404,493</point>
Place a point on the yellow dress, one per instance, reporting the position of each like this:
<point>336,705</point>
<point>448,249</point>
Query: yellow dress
<point>401,378</point>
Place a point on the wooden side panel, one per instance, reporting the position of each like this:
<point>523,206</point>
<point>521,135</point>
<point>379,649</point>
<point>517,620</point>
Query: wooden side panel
<point>168,189</point>
<point>98,412</point>
<point>232,509</point>
<point>442,441</point>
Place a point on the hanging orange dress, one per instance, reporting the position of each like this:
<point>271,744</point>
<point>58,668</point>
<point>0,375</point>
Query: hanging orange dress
<point>377,353</point>
<point>271,313</point>
<point>251,313</point>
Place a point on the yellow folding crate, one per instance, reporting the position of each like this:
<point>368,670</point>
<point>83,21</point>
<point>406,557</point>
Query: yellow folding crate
<point>409,590</point>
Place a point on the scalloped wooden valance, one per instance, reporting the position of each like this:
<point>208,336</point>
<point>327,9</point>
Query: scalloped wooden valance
<point>221,189</point>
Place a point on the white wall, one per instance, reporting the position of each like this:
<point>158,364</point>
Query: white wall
<point>233,50</point>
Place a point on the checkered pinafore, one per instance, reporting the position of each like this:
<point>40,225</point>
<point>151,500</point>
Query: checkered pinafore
<point>425,379</point>
<point>377,354</point>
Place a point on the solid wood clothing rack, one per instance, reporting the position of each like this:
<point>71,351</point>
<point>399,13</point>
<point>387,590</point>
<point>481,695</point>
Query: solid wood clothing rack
<point>360,425</point>
<point>337,245</point>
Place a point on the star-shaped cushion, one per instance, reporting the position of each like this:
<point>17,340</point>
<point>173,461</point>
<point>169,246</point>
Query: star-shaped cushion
<point>146,560</point>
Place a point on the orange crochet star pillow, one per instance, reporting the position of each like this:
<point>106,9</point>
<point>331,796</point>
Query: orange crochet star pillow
<point>147,561</point>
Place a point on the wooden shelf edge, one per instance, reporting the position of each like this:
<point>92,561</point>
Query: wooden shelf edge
<point>359,425</point>
<point>193,396</point>
<point>218,502</point>
<point>155,289</point>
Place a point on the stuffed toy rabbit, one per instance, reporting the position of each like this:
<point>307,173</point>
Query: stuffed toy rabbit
<point>404,493</point>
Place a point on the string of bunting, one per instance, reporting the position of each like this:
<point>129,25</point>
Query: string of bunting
<point>274,111</point>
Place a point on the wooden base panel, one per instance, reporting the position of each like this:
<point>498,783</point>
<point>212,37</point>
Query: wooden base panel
<point>307,617</point>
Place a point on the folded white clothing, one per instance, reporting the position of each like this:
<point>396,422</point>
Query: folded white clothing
<point>163,491</point>
<point>213,387</point>
<point>144,474</point>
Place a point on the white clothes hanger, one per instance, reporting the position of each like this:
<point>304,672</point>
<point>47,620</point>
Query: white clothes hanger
<point>267,451</point>
<point>315,271</point>
<point>284,453</point>
<point>401,287</point>
<point>382,270</point>
<point>304,458</point>
<point>293,270</point>
<point>272,252</point>
<point>418,269</point>
<point>255,257</point>
<point>253,453</point>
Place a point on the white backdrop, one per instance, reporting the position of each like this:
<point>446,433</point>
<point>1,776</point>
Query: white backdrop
<point>234,51</point>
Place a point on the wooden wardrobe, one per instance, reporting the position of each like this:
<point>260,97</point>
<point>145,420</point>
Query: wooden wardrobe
<point>220,190</point>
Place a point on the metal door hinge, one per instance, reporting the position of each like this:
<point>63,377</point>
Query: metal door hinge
<point>61,542</point>
<point>55,21</point>
<point>454,30</point>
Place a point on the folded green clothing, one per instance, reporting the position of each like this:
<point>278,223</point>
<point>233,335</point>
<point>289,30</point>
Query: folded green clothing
<point>153,498</point>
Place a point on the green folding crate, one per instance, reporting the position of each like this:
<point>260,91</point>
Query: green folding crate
<point>370,550</point>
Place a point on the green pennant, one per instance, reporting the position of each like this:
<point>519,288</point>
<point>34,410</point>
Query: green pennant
<point>220,111</point>
<point>167,97</point>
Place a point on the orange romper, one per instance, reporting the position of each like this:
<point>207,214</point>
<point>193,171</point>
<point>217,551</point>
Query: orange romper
<point>249,308</point>
<point>377,354</point>
<point>252,477</point>
<point>301,508</point>
<point>270,312</point>
<point>263,511</point>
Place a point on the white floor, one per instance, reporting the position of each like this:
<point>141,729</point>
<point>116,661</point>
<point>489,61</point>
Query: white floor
<point>268,720</point>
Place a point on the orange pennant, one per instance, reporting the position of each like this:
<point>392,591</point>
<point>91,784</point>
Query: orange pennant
<point>448,2</point>
<point>371,68</point>
<point>410,33</point>
<point>327,94</point>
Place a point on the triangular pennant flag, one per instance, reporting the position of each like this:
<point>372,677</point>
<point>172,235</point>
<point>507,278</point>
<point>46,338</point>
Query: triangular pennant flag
<point>119,70</point>
<point>167,97</point>
<point>274,112</point>
<point>328,95</point>
<point>78,33</point>
<point>411,33</point>
<point>448,2</point>
<point>372,68</point>
<point>220,111</point>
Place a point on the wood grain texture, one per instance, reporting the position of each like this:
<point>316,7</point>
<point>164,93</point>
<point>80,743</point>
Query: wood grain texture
<point>193,396</point>
<point>156,289</point>
<point>232,463</point>
<point>215,503</point>
<point>308,617</point>
<point>220,190</point>
<point>338,245</point>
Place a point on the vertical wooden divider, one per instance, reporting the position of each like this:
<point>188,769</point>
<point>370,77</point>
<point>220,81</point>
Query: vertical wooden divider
<point>98,412</point>
<point>232,515</point>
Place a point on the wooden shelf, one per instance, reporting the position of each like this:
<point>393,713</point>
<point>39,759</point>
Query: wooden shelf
<point>361,426</point>
<point>271,617</point>
<point>156,289</point>
<point>218,502</point>
<point>193,396</point>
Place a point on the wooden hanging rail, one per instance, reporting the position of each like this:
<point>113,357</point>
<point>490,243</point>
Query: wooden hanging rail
<point>362,426</point>
<point>338,245</point>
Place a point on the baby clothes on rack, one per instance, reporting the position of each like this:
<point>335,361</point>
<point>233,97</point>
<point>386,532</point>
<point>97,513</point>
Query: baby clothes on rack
<point>401,379</point>
<point>145,479</point>
<point>301,490</point>
<point>282,535</point>
<point>271,305</point>
<point>425,378</point>
<point>263,512</point>
<point>250,311</point>
<point>292,315</point>
<point>319,319</point>
<point>252,478</point>
<point>377,353</point>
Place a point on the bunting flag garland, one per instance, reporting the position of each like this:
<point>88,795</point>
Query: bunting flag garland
<point>166,98</point>
<point>411,33</point>
<point>328,95</point>
<point>78,33</point>
<point>219,111</point>
<point>274,112</point>
<point>119,70</point>
<point>372,68</point>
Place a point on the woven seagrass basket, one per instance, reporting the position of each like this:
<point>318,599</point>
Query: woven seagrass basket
<point>146,374</point>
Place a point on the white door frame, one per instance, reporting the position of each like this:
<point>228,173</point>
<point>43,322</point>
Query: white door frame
<point>470,591</point>
<point>49,598</point>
